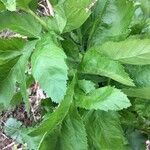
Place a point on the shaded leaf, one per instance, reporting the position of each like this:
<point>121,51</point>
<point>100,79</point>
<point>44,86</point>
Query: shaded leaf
<point>55,118</point>
<point>136,139</point>
<point>19,133</point>
<point>140,74</point>
<point>13,68</point>
<point>143,92</point>
<point>142,107</point>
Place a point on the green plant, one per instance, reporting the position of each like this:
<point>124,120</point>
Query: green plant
<point>92,60</point>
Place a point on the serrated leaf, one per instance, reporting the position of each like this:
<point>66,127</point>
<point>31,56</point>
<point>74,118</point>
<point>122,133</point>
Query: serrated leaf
<point>55,118</point>
<point>23,24</point>
<point>106,98</point>
<point>142,107</point>
<point>51,141</point>
<point>70,134</point>
<point>49,68</point>
<point>95,63</point>
<point>111,21</point>
<point>140,74</point>
<point>104,130</point>
<point>143,92</point>
<point>10,4</point>
<point>12,68</point>
<point>73,134</point>
<point>130,51</point>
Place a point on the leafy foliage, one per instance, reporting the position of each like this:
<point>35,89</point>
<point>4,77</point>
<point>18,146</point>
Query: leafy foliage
<point>49,68</point>
<point>101,127</point>
<point>91,61</point>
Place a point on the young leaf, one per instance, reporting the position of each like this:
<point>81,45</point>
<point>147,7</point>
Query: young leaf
<point>23,24</point>
<point>130,51</point>
<point>49,68</point>
<point>55,118</point>
<point>111,21</point>
<point>86,86</point>
<point>106,98</point>
<point>104,130</point>
<point>95,63</point>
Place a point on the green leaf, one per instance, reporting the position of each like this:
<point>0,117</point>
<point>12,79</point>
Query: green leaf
<point>23,24</point>
<point>2,6</point>
<point>95,63</point>
<point>70,135</point>
<point>136,139</point>
<point>11,126</point>
<point>143,92</point>
<point>111,21</point>
<point>140,74</point>
<point>106,98</point>
<point>75,13</point>
<point>73,134</point>
<point>51,141</point>
<point>142,107</point>
<point>49,68</point>
<point>23,4</point>
<point>14,56</point>
<point>55,118</point>
<point>58,22</point>
<point>104,130</point>
<point>20,71</point>
<point>130,51</point>
<point>19,133</point>
<point>145,7</point>
<point>10,4</point>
